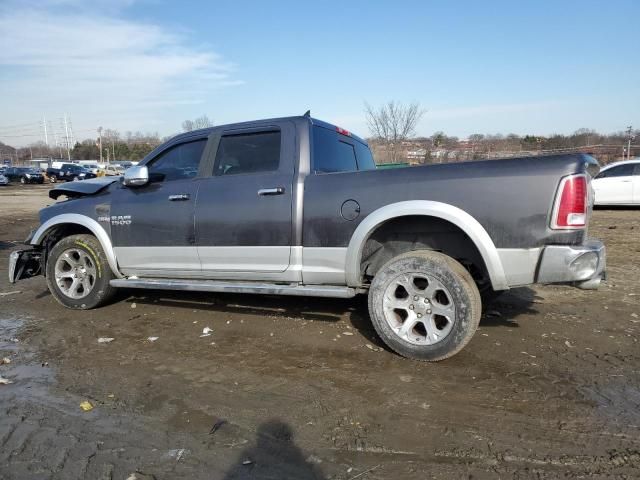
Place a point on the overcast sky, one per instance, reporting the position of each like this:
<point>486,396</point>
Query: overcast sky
<point>476,67</point>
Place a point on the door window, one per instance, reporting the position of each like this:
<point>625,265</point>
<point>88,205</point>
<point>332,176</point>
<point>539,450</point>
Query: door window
<point>248,153</point>
<point>179,162</point>
<point>619,171</point>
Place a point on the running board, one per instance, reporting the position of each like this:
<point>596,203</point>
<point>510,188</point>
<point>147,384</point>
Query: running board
<point>235,287</point>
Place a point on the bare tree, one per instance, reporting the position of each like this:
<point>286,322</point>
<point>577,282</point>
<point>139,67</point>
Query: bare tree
<point>393,123</point>
<point>200,122</point>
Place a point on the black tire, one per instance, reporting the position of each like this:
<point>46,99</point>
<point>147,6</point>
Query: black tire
<point>101,291</point>
<point>459,289</point>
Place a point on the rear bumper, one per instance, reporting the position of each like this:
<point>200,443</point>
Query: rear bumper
<point>583,266</point>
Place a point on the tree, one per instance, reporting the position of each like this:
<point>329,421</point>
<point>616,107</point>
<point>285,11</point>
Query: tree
<point>200,122</point>
<point>393,123</point>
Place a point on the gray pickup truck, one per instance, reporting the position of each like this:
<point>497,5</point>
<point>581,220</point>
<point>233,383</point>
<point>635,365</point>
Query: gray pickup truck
<point>296,206</point>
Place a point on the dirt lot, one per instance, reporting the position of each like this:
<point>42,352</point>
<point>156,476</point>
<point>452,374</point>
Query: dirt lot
<point>301,388</point>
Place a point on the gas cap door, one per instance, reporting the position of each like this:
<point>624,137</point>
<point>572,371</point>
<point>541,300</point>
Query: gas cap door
<point>350,210</point>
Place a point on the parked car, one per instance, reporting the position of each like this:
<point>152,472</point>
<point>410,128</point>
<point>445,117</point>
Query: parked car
<point>69,172</point>
<point>113,170</point>
<point>295,206</point>
<point>618,184</point>
<point>92,167</point>
<point>24,175</point>
<point>3,180</point>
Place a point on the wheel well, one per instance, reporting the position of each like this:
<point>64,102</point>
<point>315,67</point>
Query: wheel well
<point>55,234</point>
<point>419,232</point>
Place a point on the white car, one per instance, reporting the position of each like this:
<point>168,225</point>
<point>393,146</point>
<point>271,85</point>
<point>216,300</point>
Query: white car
<point>618,184</point>
<point>111,170</point>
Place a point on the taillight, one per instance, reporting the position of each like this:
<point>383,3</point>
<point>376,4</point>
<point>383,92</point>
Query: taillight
<point>570,210</point>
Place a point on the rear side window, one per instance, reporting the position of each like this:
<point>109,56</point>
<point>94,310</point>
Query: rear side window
<point>179,162</point>
<point>619,171</point>
<point>365,159</point>
<point>248,153</point>
<point>333,152</point>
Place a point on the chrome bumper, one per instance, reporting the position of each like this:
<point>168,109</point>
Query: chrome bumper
<point>583,265</point>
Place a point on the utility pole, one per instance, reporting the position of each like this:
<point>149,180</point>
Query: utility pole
<point>629,138</point>
<point>66,132</point>
<point>100,142</point>
<point>44,123</point>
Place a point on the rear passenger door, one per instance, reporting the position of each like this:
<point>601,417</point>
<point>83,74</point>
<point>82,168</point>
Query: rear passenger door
<point>243,212</point>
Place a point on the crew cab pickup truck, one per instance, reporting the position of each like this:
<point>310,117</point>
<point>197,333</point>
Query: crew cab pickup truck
<point>295,206</point>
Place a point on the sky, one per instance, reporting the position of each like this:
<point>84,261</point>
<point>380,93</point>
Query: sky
<point>538,67</point>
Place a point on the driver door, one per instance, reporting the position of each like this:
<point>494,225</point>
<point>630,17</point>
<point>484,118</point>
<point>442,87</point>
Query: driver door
<point>152,226</point>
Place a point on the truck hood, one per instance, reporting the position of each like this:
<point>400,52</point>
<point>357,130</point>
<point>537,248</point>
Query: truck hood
<point>82,188</point>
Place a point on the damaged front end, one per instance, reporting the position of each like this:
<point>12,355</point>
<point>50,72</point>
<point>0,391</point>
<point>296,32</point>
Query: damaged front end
<point>25,264</point>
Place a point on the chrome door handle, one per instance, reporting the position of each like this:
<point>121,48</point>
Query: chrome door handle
<point>271,191</point>
<point>178,197</point>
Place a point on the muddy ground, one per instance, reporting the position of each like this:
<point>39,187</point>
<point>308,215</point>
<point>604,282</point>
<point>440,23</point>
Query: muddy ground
<point>301,388</point>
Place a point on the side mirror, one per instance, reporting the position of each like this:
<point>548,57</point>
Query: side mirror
<point>136,176</point>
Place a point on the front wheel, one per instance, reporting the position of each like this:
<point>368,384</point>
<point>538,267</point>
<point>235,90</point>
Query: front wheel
<point>78,273</point>
<point>424,305</point>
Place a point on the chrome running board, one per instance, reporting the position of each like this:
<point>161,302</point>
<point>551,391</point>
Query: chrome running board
<point>235,287</point>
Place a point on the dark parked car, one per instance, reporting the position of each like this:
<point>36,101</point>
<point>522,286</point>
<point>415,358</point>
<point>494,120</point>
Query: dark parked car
<point>69,172</point>
<point>24,175</point>
<point>296,206</point>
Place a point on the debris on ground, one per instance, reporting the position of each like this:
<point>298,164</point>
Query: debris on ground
<point>5,381</point>
<point>347,333</point>
<point>372,348</point>
<point>177,453</point>
<point>247,462</point>
<point>152,339</point>
<point>206,332</point>
<point>141,476</point>
<point>568,344</point>
<point>133,305</point>
<point>216,426</point>
<point>14,292</point>
<point>86,406</point>
<point>105,340</point>
<point>5,360</point>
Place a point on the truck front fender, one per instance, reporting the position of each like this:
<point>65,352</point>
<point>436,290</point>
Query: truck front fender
<point>87,222</point>
<point>427,208</point>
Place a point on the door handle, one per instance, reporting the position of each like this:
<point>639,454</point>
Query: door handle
<point>179,197</point>
<point>271,191</point>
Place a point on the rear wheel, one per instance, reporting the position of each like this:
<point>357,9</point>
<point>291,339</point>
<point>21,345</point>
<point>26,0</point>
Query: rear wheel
<point>424,305</point>
<point>78,273</point>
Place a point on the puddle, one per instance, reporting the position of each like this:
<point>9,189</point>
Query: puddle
<point>30,377</point>
<point>617,398</point>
